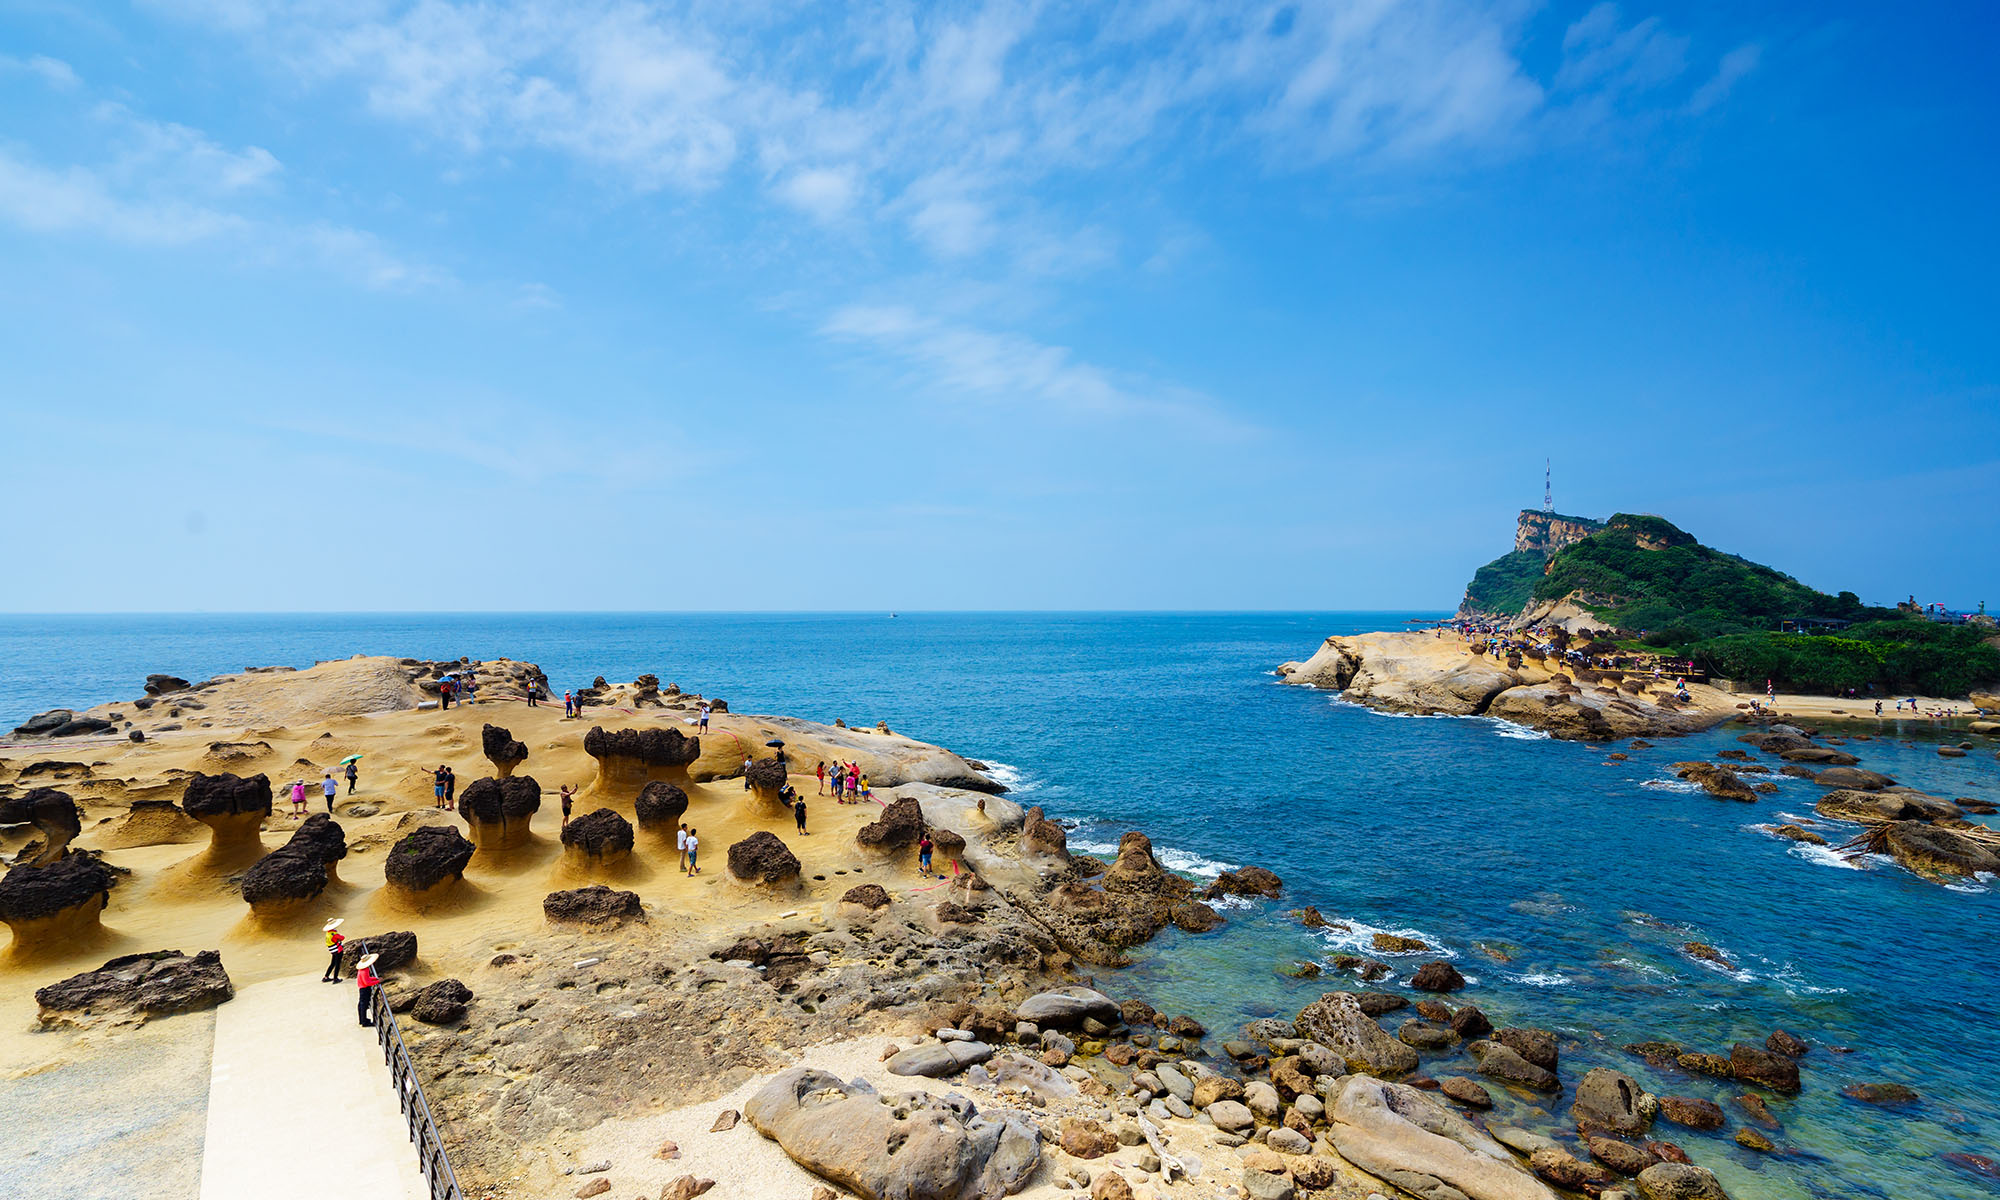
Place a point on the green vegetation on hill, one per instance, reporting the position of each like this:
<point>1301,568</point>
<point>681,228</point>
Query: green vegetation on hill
<point>1655,583</point>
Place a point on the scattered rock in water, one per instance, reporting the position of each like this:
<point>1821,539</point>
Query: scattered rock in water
<point>1853,777</point>
<point>1465,1091</point>
<point>1612,1102</point>
<point>1538,1046</point>
<point>1503,1063</point>
<point>1700,1062</point>
<point>1753,1106</point>
<point>1395,943</point>
<point>1437,976</point>
<point>1679,1181</point>
<point>1469,1022</point>
<point>1886,1095</point>
<point>1932,850</point>
<point>1716,780</point>
<point>1793,833</point>
<point>593,905</point>
<point>1692,1111</point>
<point>1754,1064</point>
<point>764,859</point>
<point>150,985</point>
<point>1788,1044</point>
<point>1622,1157</point>
<point>1707,953</point>
<point>1244,881</point>
<point>1750,1139</point>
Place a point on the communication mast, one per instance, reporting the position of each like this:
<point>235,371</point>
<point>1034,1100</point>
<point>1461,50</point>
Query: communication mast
<point>1548,486</point>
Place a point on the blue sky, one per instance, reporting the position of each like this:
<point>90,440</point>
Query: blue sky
<point>546,305</point>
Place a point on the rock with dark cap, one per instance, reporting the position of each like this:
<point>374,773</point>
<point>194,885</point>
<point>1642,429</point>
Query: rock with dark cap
<point>160,685</point>
<point>80,726</point>
<point>53,814</point>
<point>901,824</point>
<point>767,777</point>
<point>431,855</point>
<point>499,812</point>
<point>298,870</point>
<point>603,836</point>
<point>660,806</point>
<point>43,724</point>
<point>156,984</point>
<point>43,904</point>
<point>442,1003</point>
<point>210,796</point>
<point>397,948</point>
<point>871,896</point>
<point>593,905</point>
<point>762,858</point>
<point>629,758</point>
<point>502,750</point>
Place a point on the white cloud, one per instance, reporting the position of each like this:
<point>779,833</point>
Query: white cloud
<point>53,72</point>
<point>824,193</point>
<point>1735,65</point>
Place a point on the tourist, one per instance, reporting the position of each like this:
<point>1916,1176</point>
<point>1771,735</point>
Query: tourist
<point>820,772</point>
<point>693,847</point>
<point>531,693</point>
<point>567,800</point>
<point>450,790</point>
<point>365,982</point>
<point>839,785</point>
<point>333,944</point>
<point>867,793</point>
<point>924,855</point>
<point>298,797</point>
<point>799,811</point>
<point>746,772</point>
<point>331,789</point>
<point>437,784</point>
<point>681,845</point>
<point>353,774</point>
<point>703,727</point>
<point>470,694</point>
<point>444,692</point>
<point>1878,708</point>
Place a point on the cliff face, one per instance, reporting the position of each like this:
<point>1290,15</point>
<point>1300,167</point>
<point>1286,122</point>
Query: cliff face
<point>1549,532</point>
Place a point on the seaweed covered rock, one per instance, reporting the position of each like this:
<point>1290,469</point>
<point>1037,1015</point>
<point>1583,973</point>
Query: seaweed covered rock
<point>502,750</point>
<point>297,871</point>
<point>630,758</point>
<point>156,984</point>
<point>49,907</point>
<point>53,814</point>
<point>597,839</point>
<point>593,905</point>
<point>499,813</point>
<point>660,806</point>
<point>762,858</point>
<point>431,856</point>
<point>900,825</point>
<point>397,948</point>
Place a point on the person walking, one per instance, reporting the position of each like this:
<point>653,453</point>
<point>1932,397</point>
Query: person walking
<point>333,944</point>
<point>298,797</point>
<point>471,689</point>
<point>450,790</point>
<point>568,799</point>
<point>694,847</point>
<point>444,693</point>
<point>437,784</point>
<point>365,983</point>
<point>681,845</point>
<point>353,775</point>
<point>924,855</point>
<point>799,811</point>
<point>331,789</point>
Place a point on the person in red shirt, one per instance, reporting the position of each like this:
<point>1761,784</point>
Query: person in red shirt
<point>366,981</point>
<point>333,944</point>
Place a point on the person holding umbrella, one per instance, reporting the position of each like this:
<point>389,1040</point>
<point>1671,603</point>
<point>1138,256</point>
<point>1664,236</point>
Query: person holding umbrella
<point>333,944</point>
<point>353,772</point>
<point>365,983</point>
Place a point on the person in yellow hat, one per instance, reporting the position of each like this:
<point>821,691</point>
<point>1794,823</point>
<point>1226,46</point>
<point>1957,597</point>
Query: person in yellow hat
<point>333,944</point>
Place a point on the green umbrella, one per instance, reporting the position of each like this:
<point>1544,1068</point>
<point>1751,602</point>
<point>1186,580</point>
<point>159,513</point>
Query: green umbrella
<point>350,758</point>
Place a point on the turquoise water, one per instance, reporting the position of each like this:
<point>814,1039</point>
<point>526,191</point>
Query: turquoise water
<point>1586,875</point>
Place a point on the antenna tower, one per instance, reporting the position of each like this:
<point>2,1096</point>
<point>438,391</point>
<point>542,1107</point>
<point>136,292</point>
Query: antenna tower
<point>1548,486</point>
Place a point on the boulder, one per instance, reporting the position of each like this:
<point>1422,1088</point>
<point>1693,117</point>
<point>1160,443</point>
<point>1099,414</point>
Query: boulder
<point>397,948</point>
<point>1933,850</point>
<point>1470,1022</point>
<point>1538,1046</point>
<point>1424,1035</point>
<point>1386,1127</point>
<point>53,814</point>
<point>1788,1044</point>
<point>442,1003</point>
<point>1465,1091</point>
<point>234,809</point>
<point>1135,872</point>
<point>43,724</point>
<point>872,897</point>
<point>79,726</point>
<point>628,759</point>
<point>1232,1116</point>
<point>1622,1157</point>
<point>763,859</point>
<point>1847,804</point>
<point>502,750</point>
<point>298,871</point>
<point>901,825</point>
<point>1610,1101</point>
<point>1755,1064</point>
<point>598,839</point>
<point>920,1148</point>
<point>1853,777</point>
<point>156,984</point>
<point>1437,976</point>
<point>431,856</point>
<point>1886,1095</point>
<point>1067,1008</point>
<point>1039,835</point>
<point>1715,780</point>
<point>1244,881</point>
<point>1336,1021</point>
<point>593,905</point>
<point>1820,755</point>
<point>51,907</point>
<point>499,813</point>
<point>160,685</point>
<point>1679,1181</point>
<point>660,806</point>
<point>1692,1111</point>
<point>1502,1063</point>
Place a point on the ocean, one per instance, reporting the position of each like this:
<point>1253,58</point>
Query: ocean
<point>1562,884</point>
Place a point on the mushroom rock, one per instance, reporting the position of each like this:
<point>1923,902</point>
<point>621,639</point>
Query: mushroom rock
<point>51,907</point>
<point>900,825</point>
<point>597,840</point>
<point>53,814</point>
<point>660,807</point>
<point>630,758</point>
<point>593,905</point>
<point>397,948</point>
<point>285,879</point>
<point>763,858</point>
<point>767,778</point>
<point>427,862</point>
<point>499,812</point>
<point>233,807</point>
<point>502,750</point>
<point>152,985</point>
<point>1043,836</point>
<point>949,845</point>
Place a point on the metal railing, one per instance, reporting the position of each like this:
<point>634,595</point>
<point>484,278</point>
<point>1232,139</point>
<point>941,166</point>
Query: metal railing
<point>431,1160</point>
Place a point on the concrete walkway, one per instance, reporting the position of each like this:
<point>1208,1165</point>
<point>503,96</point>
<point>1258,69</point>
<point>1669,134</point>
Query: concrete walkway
<point>299,1101</point>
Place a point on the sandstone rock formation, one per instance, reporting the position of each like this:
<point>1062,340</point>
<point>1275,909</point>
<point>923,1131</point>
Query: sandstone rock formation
<point>767,778</point>
<point>150,985</point>
<point>628,759</point>
<point>660,807</point>
<point>1934,850</point>
<point>234,809</point>
<point>1392,1130</point>
<point>593,905</point>
<point>51,908</point>
<point>442,1003</point>
<point>899,827</point>
<point>918,1148</point>
<point>1336,1021</point>
<point>1041,836</point>
<point>284,880</point>
<point>425,864</point>
<point>1245,881</point>
<point>152,823</point>
<point>53,814</point>
<point>499,813</point>
<point>502,750</point>
<point>597,841</point>
<point>762,858</point>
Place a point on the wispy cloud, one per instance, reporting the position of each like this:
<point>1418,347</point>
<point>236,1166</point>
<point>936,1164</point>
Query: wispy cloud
<point>1735,65</point>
